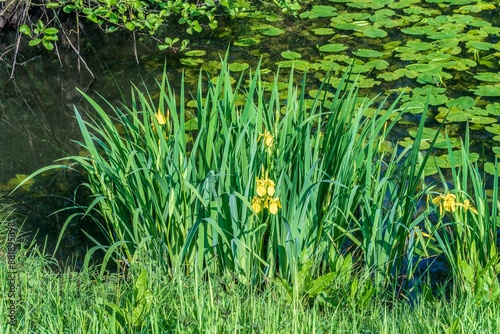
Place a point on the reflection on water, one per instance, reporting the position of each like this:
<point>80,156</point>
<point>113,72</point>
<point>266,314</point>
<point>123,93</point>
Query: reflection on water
<point>36,106</point>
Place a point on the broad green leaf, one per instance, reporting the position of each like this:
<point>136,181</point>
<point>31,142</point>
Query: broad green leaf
<point>374,33</point>
<point>334,47</point>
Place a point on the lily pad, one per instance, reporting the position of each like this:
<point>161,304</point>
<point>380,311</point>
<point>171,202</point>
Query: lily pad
<point>319,11</point>
<point>314,94</point>
<point>191,61</point>
<point>488,76</point>
<point>300,65</point>
<point>334,47</point>
<point>494,129</point>
<point>244,42</point>
<point>479,45</point>
<point>489,168</point>
<point>493,109</point>
<point>323,31</point>
<point>238,67</point>
<point>367,53</point>
<point>290,55</point>
<point>195,53</point>
<point>399,73</point>
<point>463,102</point>
<point>271,31</point>
<point>374,33</point>
<point>16,180</point>
<point>487,90</point>
<point>378,64</point>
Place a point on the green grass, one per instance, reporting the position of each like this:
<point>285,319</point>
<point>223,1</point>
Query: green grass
<point>70,303</point>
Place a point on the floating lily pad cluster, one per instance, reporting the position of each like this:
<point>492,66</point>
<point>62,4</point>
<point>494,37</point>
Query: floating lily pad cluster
<point>442,52</point>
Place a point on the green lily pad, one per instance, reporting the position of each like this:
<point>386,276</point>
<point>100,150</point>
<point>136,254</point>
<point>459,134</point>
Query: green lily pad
<point>476,119</point>
<point>493,109</point>
<point>443,34</point>
<point>475,8</point>
<point>300,65</point>
<point>191,125</point>
<point>487,90</point>
<point>367,53</point>
<point>244,42</point>
<point>421,67</point>
<point>489,168</point>
<point>356,69</point>
<point>314,94</point>
<point>378,64</point>
<point>494,129</point>
<point>488,76</point>
<point>463,102</point>
<point>16,180</point>
<point>434,100</point>
<point>290,55</point>
<point>414,107</point>
<point>191,61</point>
<point>418,30</point>
<point>351,26</point>
<point>457,159</point>
<point>334,47</point>
<point>374,33</point>
<point>195,53</point>
<point>367,83</point>
<point>323,31</point>
<point>271,31</point>
<point>399,73</point>
<point>479,45</point>
<point>238,67</point>
<point>496,150</point>
<point>318,11</point>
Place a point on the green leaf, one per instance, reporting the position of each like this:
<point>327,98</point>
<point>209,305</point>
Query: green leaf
<point>247,42</point>
<point>271,31</point>
<point>35,41</point>
<point>130,26</point>
<point>238,67</point>
<point>49,46</point>
<point>487,90</point>
<point>52,5</point>
<point>323,31</point>
<point>321,284</point>
<point>467,271</point>
<point>374,33</point>
<point>195,53</point>
<point>290,55</point>
<point>367,53</point>
<point>334,47</point>
<point>50,31</point>
<point>24,29</point>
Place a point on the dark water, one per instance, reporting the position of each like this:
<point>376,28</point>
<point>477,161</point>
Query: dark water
<point>37,124</point>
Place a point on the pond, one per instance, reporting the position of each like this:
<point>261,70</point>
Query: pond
<point>448,50</point>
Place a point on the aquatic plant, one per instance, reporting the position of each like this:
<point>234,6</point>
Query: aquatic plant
<point>467,226</point>
<point>259,184</point>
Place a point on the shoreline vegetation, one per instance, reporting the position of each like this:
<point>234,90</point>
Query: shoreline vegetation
<point>263,212</point>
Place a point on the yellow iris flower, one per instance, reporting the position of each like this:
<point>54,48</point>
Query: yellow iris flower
<point>256,204</point>
<point>265,190</point>
<point>265,186</point>
<point>160,118</point>
<point>268,138</point>
<point>273,205</point>
<point>468,206</point>
<point>448,203</point>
